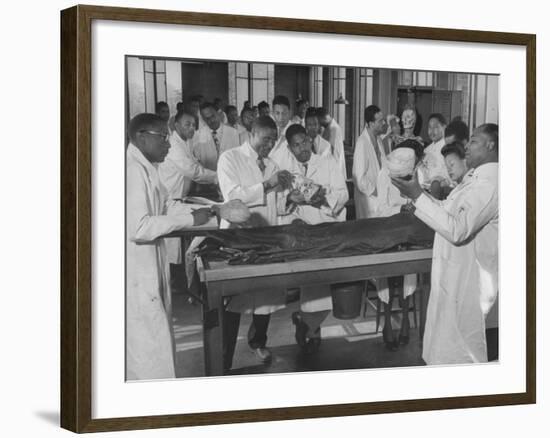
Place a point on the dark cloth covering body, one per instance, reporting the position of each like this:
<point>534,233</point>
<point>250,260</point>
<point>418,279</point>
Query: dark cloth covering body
<point>299,241</point>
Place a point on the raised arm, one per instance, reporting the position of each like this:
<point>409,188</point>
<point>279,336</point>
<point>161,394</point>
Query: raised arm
<point>476,208</point>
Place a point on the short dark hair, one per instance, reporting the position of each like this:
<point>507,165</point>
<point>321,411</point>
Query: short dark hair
<point>182,113</point>
<point>301,102</point>
<point>370,112</point>
<point>292,130</point>
<point>229,108</point>
<point>143,122</point>
<point>264,122</point>
<point>321,112</point>
<point>459,129</point>
<point>439,117</point>
<point>247,109</point>
<point>179,106</point>
<point>415,145</point>
<point>454,148</point>
<point>281,100</point>
<point>491,130</point>
<point>263,104</point>
<point>311,112</point>
<point>160,105</point>
<point>205,105</point>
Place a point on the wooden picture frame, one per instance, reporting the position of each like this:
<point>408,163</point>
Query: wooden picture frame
<point>76,217</point>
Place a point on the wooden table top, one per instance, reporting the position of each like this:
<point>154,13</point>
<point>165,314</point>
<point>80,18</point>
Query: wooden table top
<point>221,270</point>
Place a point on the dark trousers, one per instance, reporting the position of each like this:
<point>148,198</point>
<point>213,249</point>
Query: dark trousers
<point>257,334</point>
<point>313,320</point>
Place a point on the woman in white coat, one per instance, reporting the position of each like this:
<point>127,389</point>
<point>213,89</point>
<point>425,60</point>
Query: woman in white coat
<point>149,339</point>
<point>465,255</point>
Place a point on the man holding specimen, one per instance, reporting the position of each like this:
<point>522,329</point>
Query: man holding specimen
<point>465,254</point>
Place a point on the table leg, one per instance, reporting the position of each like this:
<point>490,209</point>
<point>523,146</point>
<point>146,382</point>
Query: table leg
<point>424,298</point>
<point>212,330</point>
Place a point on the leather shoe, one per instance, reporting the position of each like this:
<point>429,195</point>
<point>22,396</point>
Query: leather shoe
<point>301,329</point>
<point>263,354</point>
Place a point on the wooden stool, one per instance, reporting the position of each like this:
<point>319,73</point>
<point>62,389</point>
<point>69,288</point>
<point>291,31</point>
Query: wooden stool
<point>394,293</point>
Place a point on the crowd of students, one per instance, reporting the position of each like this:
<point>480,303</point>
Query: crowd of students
<point>257,156</point>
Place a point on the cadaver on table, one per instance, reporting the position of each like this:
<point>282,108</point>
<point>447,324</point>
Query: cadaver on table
<point>301,241</point>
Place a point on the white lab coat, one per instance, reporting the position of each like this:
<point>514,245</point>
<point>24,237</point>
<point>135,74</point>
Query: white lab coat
<point>365,175</point>
<point>333,134</point>
<point>323,170</point>
<point>323,148</point>
<point>281,142</point>
<point>176,172</point>
<point>204,148</point>
<point>245,136</point>
<point>389,203</point>
<point>464,267</point>
<point>149,340</point>
<point>433,166</point>
<point>241,178</point>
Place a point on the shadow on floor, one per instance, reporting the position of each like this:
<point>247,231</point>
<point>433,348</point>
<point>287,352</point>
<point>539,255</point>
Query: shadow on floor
<point>346,344</point>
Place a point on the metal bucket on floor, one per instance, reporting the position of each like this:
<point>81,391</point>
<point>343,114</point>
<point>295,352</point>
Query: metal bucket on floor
<point>347,299</point>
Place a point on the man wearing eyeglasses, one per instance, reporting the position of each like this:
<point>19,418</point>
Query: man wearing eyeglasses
<point>149,338</point>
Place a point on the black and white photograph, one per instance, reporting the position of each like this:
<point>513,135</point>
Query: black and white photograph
<point>289,218</point>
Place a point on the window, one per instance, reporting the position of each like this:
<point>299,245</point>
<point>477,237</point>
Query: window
<point>316,86</point>
<point>154,72</point>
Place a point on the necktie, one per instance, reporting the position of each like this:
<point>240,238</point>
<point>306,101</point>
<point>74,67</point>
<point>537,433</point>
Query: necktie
<point>377,151</point>
<point>304,165</point>
<point>261,164</point>
<point>216,141</point>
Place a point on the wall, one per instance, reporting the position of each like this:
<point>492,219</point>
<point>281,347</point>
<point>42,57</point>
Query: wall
<point>209,79</point>
<point>29,318</point>
<point>291,81</point>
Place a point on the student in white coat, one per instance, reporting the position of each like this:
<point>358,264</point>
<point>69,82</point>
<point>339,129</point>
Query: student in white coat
<point>433,175</point>
<point>247,119</point>
<point>149,339</point>
<point>328,205</point>
<point>465,255</point>
<point>180,168</point>
<point>332,132</point>
<point>401,161</point>
<point>214,138</point>
<point>247,173</point>
<point>302,105</point>
<point>313,129</point>
<point>368,159</point>
<point>281,115</point>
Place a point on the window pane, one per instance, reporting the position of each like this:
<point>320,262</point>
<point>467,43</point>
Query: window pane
<point>173,84</point>
<point>242,92</point>
<point>149,93</point>
<point>421,78</point>
<point>259,91</point>
<point>148,64</point>
<point>259,71</point>
<point>161,87</point>
<point>161,66</point>
<point>136,87</point>
<point>242,69</point>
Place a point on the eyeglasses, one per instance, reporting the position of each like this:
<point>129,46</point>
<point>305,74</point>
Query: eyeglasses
<point>165,137</point>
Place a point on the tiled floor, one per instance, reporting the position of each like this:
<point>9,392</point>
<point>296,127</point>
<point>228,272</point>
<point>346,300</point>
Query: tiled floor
<point>347,344</point>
